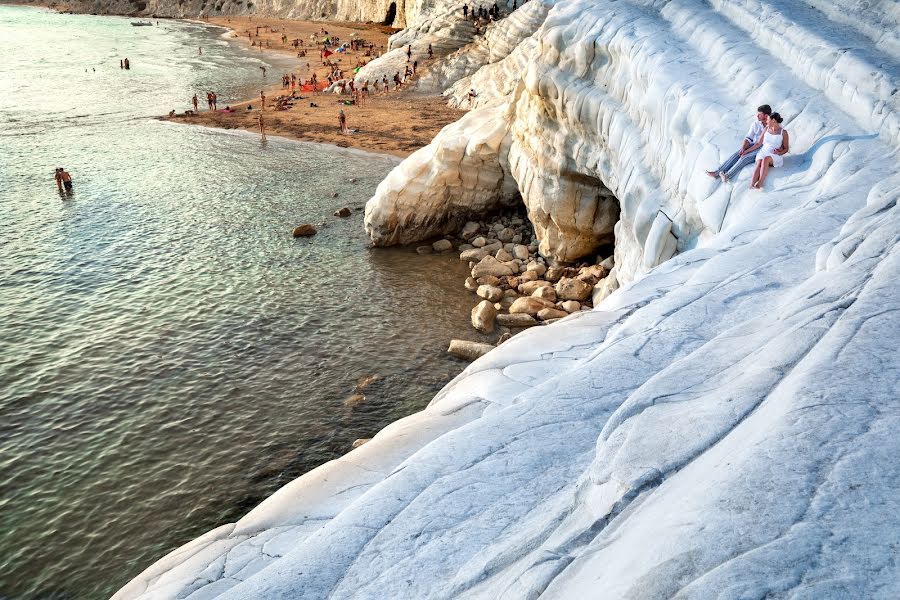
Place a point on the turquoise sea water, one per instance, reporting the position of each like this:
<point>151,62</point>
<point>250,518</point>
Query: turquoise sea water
<point>169,354</point>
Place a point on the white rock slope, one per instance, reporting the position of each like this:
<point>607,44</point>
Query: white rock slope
<point>724,425</point>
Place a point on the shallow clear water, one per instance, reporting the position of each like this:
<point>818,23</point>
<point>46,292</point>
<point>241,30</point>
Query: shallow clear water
<point>169,354</point>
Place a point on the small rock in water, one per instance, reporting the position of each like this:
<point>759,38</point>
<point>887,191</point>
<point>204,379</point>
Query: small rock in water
<point>334,194</point>
<point>344,212</point>
<point>468,350</point>
<point>424,250</point>
<point>471,284</point>
<point>305,230</point>
<point>442,246</point>
<point>354,400</point>
<point>353,180</point>
<point>360,442</point>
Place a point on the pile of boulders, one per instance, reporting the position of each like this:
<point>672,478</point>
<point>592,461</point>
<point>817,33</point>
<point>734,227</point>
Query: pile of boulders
<point>518,287</point>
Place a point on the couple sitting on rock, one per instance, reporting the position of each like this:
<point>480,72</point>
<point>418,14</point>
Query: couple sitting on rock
<point>766,144</point>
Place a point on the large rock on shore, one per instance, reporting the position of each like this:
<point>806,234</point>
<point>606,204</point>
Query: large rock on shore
<point>529,305</point>
<point>491,266</point>
<point>569,288</point>
<point>483,316</point>
<point>467,350</point>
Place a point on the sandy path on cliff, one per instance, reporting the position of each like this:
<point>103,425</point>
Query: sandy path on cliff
<point>397,123</point>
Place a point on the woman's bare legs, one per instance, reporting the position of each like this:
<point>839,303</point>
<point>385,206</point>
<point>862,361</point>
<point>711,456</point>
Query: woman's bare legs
<point>755,175</point>
<point>766,163</point>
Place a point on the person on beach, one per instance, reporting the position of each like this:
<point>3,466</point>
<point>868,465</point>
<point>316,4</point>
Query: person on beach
<point>262,126</point>
<point>121,64</point>
<point>200,50</point>
<point>408,53</point>
<point>465,12</point>
<point>743,156</point>
<point>472,95</point>
<point>263,69</point>
<point>415,65</point>
<point>196,103</point>
<point>342,121</point>
<point>769,150</point>
<point>262,100</point>
<point>215,100</point>
<point>127,65</point>
<point>430,52</point>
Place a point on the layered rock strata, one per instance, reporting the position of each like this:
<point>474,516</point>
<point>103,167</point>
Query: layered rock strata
<point>722,425</point>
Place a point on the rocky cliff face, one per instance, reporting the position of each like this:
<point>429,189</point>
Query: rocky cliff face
<point>391,12</point>
<point>724,425</point>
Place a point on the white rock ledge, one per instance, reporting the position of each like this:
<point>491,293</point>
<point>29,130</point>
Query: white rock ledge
<point>725,424</point>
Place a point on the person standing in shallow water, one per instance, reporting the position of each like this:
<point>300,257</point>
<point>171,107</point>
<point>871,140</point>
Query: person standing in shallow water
<point>63,180</point>
<point>196,103</point>
<point>262,126</point>
<point>262,100</point>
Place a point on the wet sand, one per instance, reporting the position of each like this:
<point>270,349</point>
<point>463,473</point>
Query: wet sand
<point>397,123</point>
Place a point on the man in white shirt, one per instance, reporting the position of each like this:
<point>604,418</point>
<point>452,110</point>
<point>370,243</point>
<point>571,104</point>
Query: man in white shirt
<point>742,158</point>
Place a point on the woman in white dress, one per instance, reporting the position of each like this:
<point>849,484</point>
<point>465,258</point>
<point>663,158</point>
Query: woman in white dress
<point>773,145</point>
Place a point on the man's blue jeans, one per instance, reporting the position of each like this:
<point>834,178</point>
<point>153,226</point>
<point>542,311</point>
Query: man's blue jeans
<point>735,163</point>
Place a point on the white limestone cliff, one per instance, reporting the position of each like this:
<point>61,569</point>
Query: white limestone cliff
<point>721,426</point>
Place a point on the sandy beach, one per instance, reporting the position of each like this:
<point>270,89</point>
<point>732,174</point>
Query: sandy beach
<point>397,123</point>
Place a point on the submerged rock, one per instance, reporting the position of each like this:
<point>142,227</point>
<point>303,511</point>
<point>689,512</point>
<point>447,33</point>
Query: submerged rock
<point>442,246</point>
<point>305,230</point>
<point>344,212</point>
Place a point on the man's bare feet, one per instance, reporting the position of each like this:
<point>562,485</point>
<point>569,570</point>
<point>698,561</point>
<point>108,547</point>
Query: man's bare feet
<point>711,174</point>
<point>723,177</point>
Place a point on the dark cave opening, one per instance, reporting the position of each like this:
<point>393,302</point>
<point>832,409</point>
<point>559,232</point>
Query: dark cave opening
<point>391,14</point>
